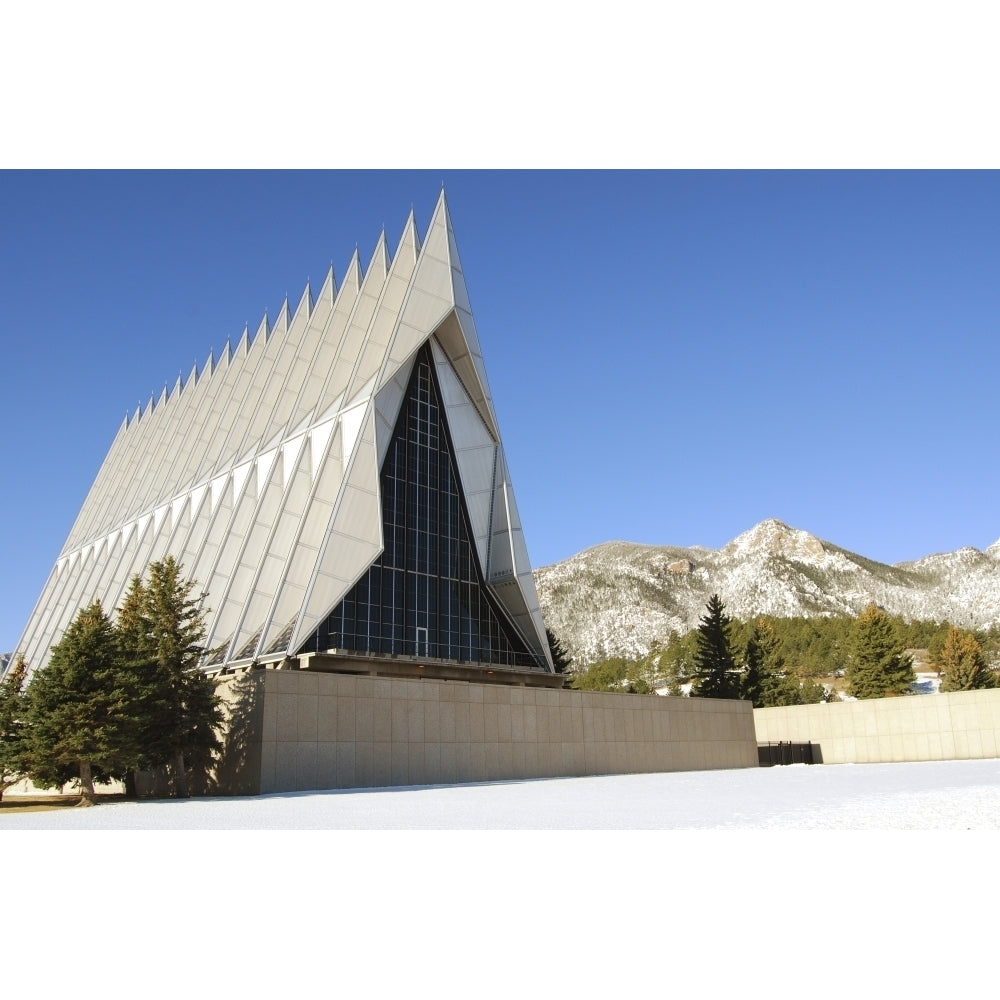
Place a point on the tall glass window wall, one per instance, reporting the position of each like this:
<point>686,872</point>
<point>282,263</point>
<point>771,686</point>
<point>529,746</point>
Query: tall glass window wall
<point>425,595</point>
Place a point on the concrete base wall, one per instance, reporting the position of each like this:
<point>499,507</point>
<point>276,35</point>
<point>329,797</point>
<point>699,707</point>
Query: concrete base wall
<point>292,730</point>
<point>958,726</point>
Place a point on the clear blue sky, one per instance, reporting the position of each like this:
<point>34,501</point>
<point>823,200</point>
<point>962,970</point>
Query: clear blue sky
<point>674,356</point>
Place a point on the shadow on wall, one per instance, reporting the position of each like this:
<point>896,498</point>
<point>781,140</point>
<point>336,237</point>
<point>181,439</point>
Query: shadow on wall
<point>237,771</point>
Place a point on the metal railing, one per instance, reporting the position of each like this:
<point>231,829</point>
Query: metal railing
<point>771,754</point>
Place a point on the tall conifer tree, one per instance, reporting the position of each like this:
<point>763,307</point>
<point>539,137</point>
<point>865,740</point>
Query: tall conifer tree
<point>162,628</point>
<point>765,681</point>
<point>963,663</point>
<point>752,680</point>
<point>880,666</point>
<point>561,660</point>
<point>78,708</point>
<point>715,670</point>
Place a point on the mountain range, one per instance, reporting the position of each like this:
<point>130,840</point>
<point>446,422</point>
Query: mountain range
<point>618,598</point>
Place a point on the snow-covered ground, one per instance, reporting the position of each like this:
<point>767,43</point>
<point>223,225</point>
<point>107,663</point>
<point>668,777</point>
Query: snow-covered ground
<point>773,881</point>
<point>935,795</point>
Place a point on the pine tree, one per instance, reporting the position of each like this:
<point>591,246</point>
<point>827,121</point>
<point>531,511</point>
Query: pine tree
<point>77,715</point>
<point>752,681</point>
<point>561,660</point>
<point>677,663</point>
<point>765,681</point>
<point>150,688</point>
<point>810,693</point>
<point>880,667</point>
<point>12,726</point>
<point>715,671</point>
<point>763,675</point>
<point>162,628</point>
<point>963,663</point>
<point>645,673</point>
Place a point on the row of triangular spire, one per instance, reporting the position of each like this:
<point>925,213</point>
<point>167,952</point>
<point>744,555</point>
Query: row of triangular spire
<point>264,328</point>
<point>228,353</point>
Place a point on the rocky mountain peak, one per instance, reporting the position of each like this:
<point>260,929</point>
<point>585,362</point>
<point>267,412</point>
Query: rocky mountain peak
<point>774,537</point>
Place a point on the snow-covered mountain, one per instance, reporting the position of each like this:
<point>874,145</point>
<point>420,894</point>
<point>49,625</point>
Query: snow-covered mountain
<point>616,599</point>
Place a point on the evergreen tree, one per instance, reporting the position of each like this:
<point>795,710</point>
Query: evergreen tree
<point>678,662</point>
<point>963,663</point>
<point>935,647</point>
<point>150,690</point>
<point>561,660</point>
<point>162,628</point>
<point>715,671</point>
<point>12,727</point>
<point>765,681</point>
<point>647,672</point>
<point>77,708</point>
<point>752,680</point>
<point>879,667</point>
<point>810,693</point>
<point>673,664</point>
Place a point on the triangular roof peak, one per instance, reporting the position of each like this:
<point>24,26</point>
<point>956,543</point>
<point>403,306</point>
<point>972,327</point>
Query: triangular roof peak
<point>305,301</point>
<point>409,238</point>
<point>352,276</point>
<point>439,239</point>
<point>440,213</point>
<point>443,215</point>
<point>262,329</point>
<point>329,288</point>
<point>380,255</point>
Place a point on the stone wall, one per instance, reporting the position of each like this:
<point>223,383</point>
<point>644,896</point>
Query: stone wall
<point>958,726</point>
<point>295,730</point>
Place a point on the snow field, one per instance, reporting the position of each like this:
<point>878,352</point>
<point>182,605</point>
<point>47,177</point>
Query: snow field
<point>934,795</point>
<point>800,881</point>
